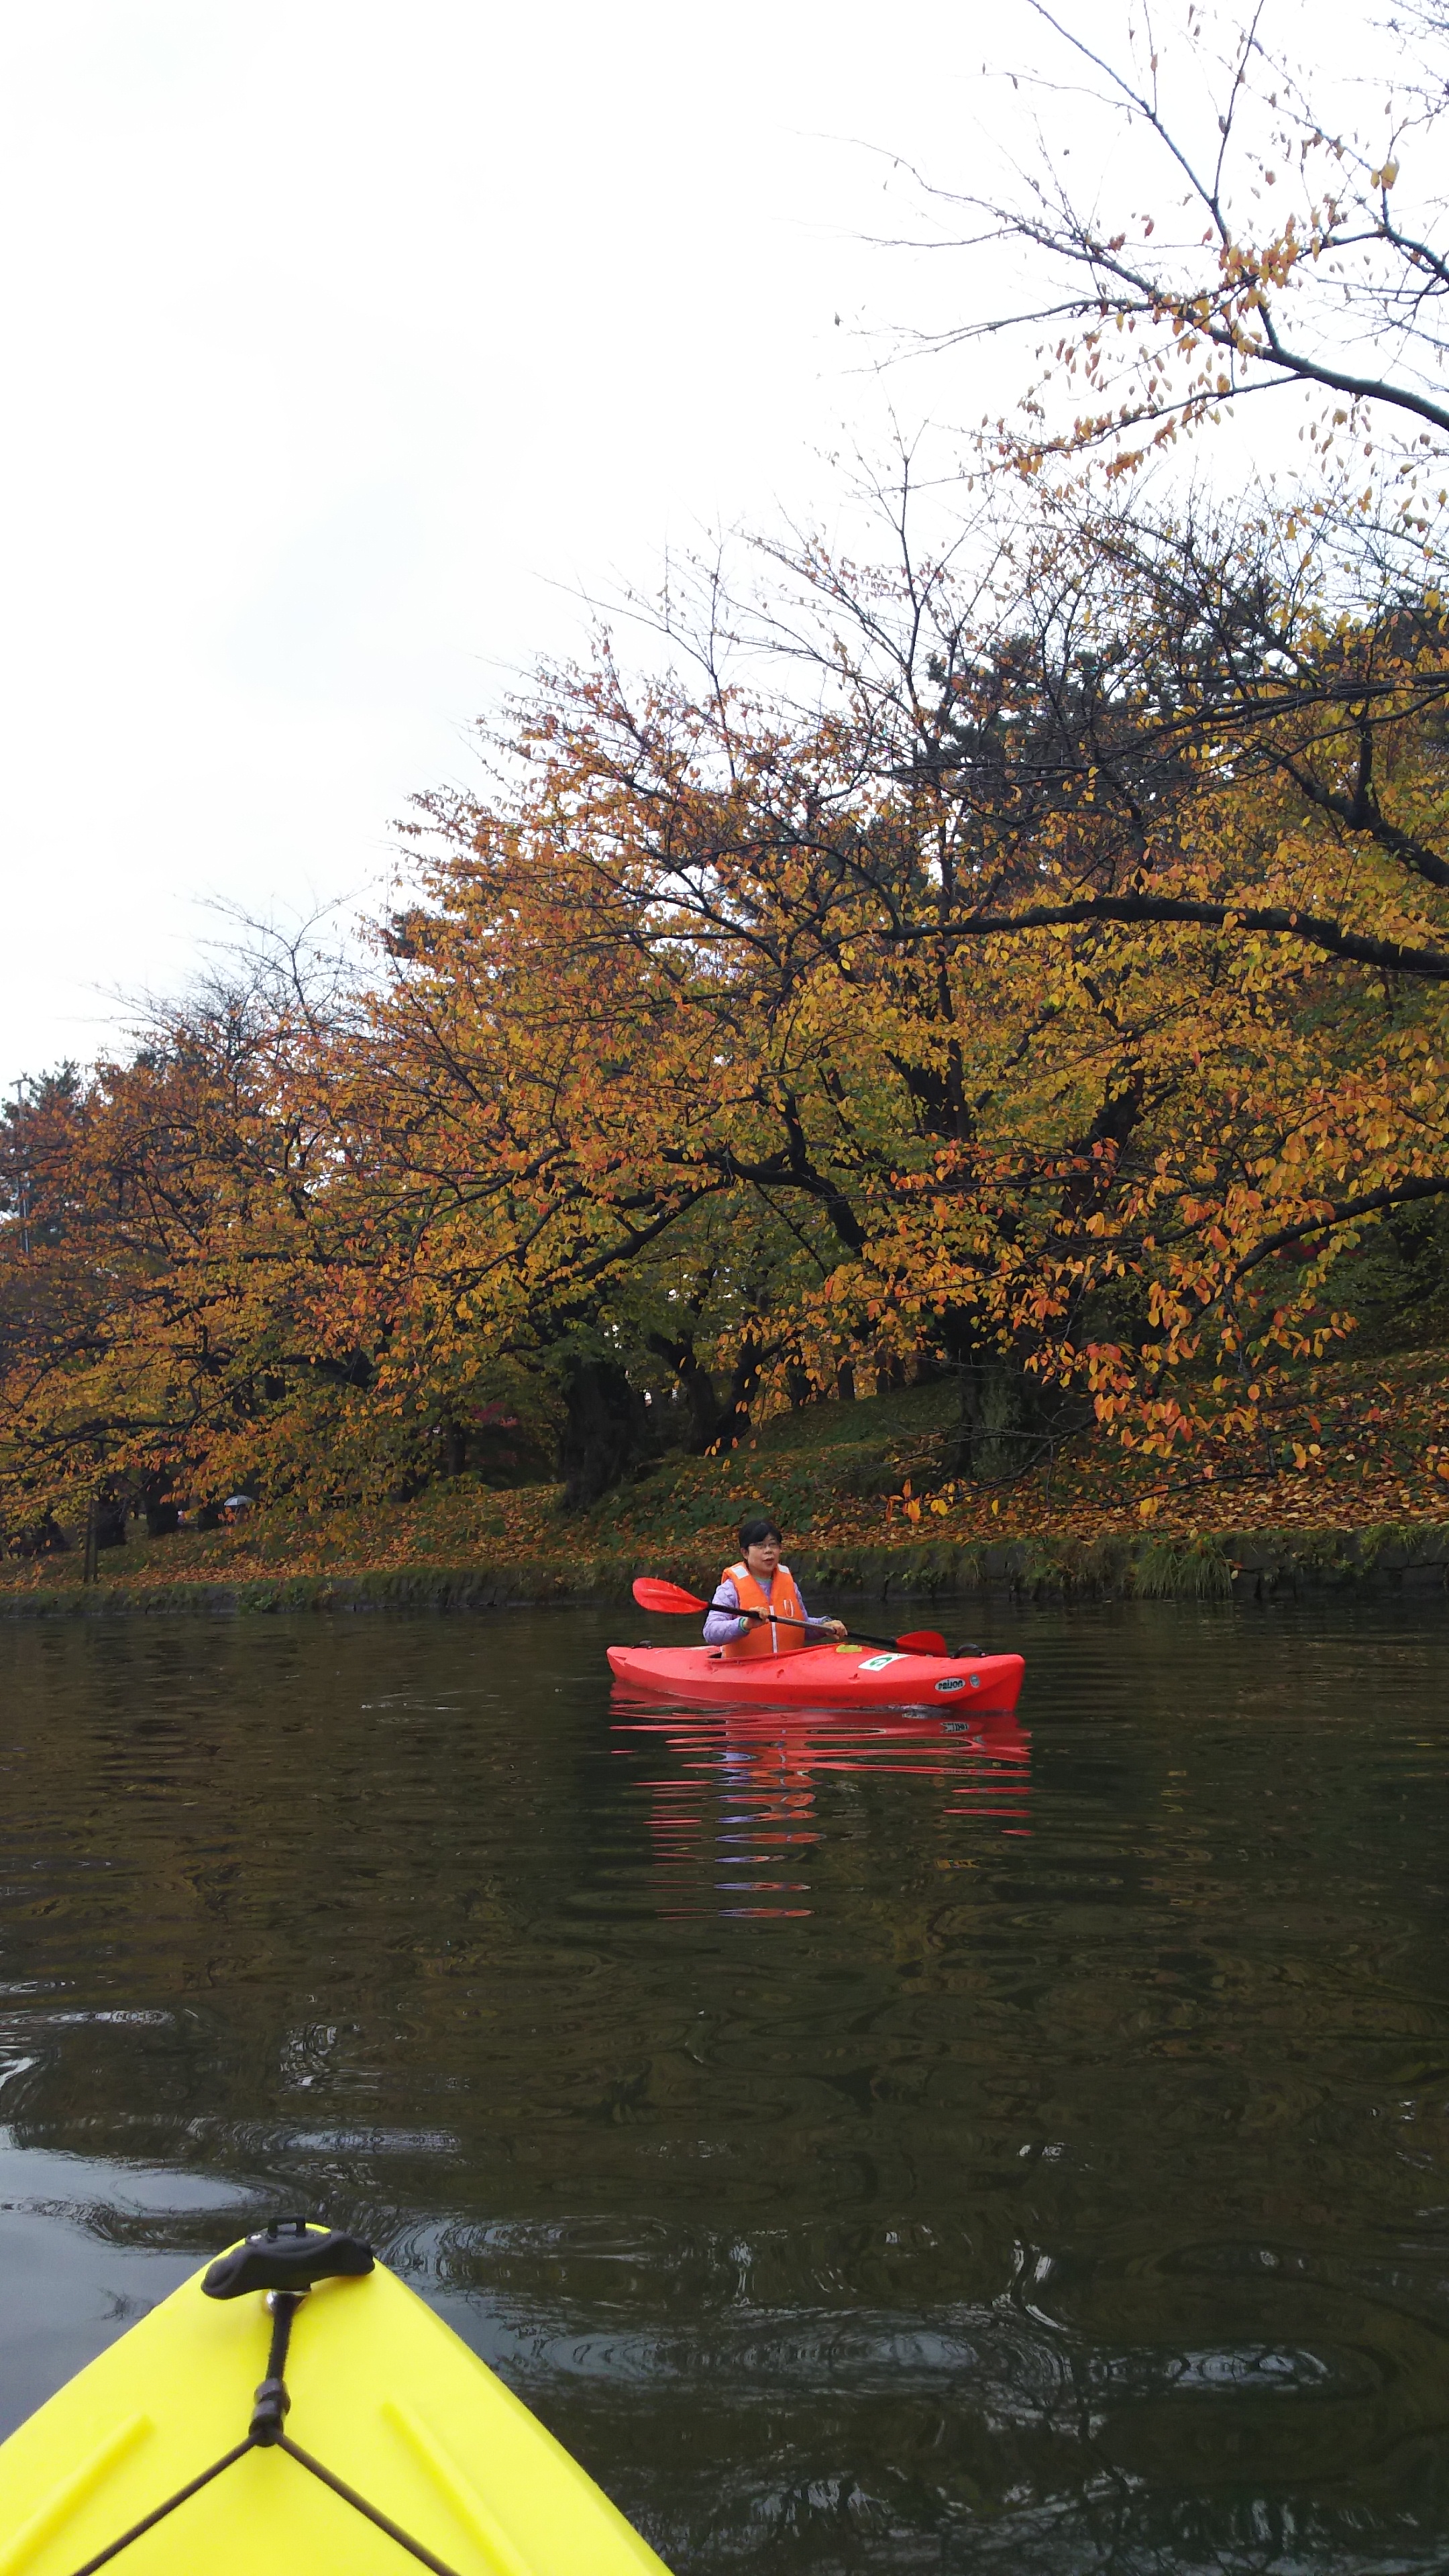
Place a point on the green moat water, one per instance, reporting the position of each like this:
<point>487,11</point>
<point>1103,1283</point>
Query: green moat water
<point>868,2146</point>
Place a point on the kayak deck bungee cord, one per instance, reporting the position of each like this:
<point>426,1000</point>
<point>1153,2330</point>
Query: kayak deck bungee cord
<point>296,2407</point>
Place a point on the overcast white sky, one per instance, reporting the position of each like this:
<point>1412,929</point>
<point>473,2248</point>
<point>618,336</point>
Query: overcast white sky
<point>345,344</point>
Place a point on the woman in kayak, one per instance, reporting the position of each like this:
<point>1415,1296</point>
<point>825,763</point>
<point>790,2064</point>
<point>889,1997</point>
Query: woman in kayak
<point>756,1598</point>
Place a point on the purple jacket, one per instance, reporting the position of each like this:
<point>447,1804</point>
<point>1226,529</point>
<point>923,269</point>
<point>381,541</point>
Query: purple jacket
<point>725,1623</point>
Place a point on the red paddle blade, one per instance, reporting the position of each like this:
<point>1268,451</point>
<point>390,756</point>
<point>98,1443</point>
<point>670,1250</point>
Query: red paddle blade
<point>651,1594</point>
<point>923,1641</point>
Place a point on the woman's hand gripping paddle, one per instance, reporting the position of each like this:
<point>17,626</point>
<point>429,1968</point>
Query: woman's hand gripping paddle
<point>652,1594</point>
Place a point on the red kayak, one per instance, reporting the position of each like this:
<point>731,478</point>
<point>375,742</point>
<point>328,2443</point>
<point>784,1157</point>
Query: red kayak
<point>835,1677</point>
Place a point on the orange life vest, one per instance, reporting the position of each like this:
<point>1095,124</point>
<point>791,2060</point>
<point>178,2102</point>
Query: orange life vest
<point>785,1602</point>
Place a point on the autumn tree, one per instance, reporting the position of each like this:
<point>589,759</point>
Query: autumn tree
<point>990,987</point>
<point>1229,226</point>
<point>1056,994</point>
<point>171,1257</point>
<point>1026,956</point>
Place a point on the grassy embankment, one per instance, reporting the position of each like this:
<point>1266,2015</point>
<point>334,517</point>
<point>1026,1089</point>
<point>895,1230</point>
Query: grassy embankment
<point>865,1494</point>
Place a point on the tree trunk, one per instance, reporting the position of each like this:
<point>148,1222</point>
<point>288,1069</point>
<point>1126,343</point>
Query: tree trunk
<point>709,1422</point>
<point>734,1417</point>
<point>605,1430</point>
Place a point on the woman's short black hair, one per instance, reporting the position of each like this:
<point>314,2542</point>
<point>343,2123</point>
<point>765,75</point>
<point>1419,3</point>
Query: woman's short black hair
<point>754,1534</point>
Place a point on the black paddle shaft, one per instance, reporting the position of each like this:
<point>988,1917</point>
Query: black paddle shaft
<point>862,1635</point>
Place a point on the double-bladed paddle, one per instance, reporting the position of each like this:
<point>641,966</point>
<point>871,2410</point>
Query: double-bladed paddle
<point>651,1594</point>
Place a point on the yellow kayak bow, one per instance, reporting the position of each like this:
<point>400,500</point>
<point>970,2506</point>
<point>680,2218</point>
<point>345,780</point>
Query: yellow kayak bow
<point>294,2407</point>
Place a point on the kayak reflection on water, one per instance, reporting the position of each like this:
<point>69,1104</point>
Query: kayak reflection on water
<point>744,1794</point>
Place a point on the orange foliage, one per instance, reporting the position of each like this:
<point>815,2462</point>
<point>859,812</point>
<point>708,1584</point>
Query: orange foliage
<point>1058,989</point>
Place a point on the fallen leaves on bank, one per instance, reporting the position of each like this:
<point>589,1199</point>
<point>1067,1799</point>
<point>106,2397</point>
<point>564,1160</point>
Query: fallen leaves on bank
<point>1378,1457</point>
